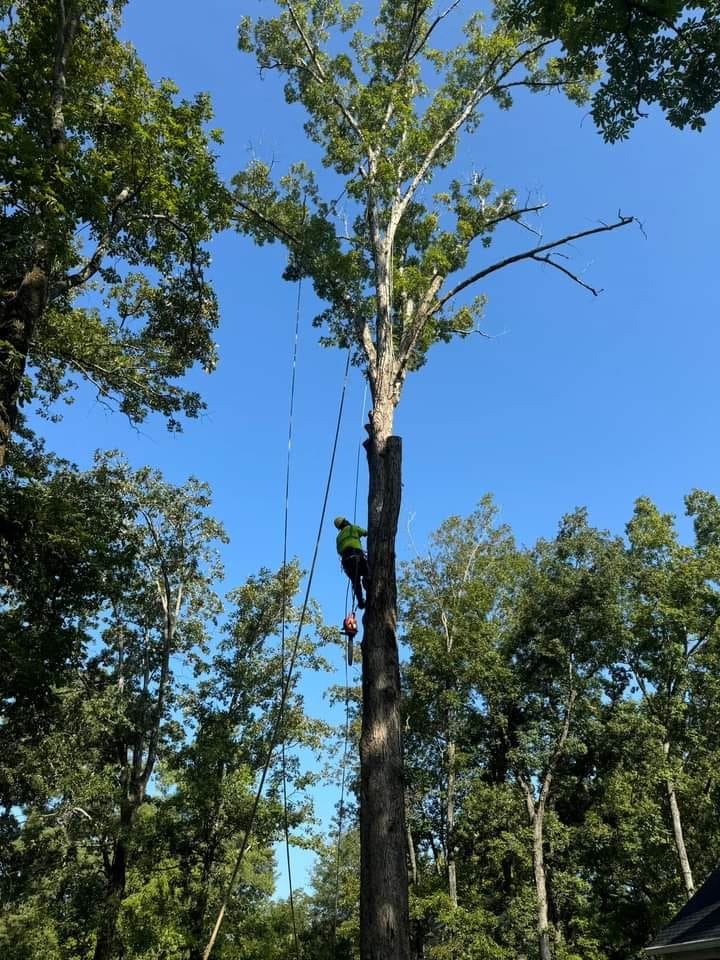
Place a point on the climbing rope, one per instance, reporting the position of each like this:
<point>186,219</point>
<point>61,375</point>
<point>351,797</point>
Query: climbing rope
<point>346,736</point>
<point>286,825</point>
<point>286,685</point>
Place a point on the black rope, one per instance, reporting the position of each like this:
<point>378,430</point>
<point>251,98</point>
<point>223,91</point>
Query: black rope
<point>346,738</point>
<point>286,684</point>
<point>286,825</point>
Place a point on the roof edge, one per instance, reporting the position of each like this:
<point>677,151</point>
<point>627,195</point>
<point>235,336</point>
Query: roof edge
<point>683,947</point>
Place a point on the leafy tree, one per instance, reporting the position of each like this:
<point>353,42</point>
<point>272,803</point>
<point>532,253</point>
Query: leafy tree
<point>662,52</point>
<point>560,650</point>
<point>673,614</point>
<point>333,923</point>
<point>61,542</point>
<point>452,598</point>
<point>108,195</point>
<point>387,111</point>
<point>91,771</point>
<point>231,710</point>
<point>161,613</point>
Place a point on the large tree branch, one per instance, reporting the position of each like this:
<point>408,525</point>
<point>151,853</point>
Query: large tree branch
<point>480,90</point>
<point>94,262</point>
<point>66,32</point>
<point>321,77</point>
<point>559,746</point>
<point>413,329</point>
<point>431,29</point>
<point>532,254</point>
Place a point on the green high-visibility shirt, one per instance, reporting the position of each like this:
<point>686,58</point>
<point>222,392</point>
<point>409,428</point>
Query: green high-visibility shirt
<point>349,536</point>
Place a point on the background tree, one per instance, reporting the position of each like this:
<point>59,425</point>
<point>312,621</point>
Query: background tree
<point>108,190</point>
<point>451,602</point>
<point>387,110</point>
<point>563,641</point>
<point>673,613</point>
<point>232,710</point>
<point>656,52</point>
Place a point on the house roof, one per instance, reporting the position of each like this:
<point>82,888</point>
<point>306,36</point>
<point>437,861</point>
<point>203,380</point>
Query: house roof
<point>697,922</point>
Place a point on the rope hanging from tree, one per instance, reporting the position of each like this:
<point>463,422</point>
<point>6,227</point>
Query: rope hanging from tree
<point>274,738</point>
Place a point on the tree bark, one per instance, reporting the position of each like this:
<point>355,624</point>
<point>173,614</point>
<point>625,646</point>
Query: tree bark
<point>18,317</point>
<point>384,914</point>
<point>678,831</point>
<point>536,814</point>
<point>450,817</point>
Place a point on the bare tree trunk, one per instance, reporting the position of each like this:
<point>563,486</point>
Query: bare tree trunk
<point>678,831</point>
<point>411,853</point>
<point>18,317</point>
<point>541,885</point>
<point>450,816</point>
<point>384,914</point>
<point>536,815</point>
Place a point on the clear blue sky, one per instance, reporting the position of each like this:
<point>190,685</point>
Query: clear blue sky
<point>575,400</point>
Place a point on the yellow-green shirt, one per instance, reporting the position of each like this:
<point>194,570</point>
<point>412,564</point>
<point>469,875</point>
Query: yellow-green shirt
<point>349,536</point>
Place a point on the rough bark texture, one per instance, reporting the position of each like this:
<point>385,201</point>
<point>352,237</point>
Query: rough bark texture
<point>384,915</point>
<point>18,317</point>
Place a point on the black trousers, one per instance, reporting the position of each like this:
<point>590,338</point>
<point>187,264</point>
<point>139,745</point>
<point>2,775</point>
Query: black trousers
<point>354,563</point>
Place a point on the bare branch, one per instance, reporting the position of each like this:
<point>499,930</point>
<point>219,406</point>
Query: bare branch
<point>568,273</point>
<point>528,255</point>
<point>515,214</point>
<point>438,20</point>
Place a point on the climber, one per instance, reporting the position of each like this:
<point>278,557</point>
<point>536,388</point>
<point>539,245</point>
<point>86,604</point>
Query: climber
<point>352,557</point>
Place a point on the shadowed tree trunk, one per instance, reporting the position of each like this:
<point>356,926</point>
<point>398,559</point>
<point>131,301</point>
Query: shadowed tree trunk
<point>18,316</point>
<point>384,915</point>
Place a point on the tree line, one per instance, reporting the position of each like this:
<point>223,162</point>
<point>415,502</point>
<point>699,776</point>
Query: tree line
<point>561,710</point>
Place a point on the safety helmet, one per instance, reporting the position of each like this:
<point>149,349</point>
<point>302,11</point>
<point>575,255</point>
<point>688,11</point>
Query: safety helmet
<point>339,522</point>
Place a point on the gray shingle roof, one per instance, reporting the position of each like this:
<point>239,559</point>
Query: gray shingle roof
<point>699,919</point>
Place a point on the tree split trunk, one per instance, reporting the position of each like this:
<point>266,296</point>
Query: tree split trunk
<point>18,317</point>
<point>384,914</point>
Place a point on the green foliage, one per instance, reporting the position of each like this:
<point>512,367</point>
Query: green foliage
<point>387,110</point>
<point>547,681</point>
<point>662,52</point>
<point>108,187</point>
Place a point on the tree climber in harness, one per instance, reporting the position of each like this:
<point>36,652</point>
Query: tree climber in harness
<point>352,556</point>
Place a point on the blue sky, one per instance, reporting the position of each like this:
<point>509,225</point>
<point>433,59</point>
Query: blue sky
<point>572,400</point>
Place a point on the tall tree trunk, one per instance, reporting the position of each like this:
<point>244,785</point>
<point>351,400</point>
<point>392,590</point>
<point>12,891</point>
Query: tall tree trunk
<point>541,884</point>
<point>18,316</point>
<point>450,817</point>
<point>106,941</point>
<point>384,914</point>
<point>678,831</point>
